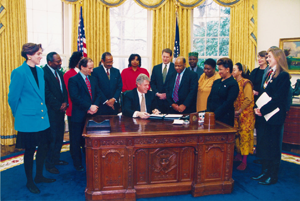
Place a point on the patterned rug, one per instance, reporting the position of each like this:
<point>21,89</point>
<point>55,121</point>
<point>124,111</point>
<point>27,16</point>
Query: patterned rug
<point>13,161</point>
<point>18,159</point>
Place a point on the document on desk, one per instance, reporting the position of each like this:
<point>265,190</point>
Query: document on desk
<point>173,116</point>
<point>261,101</point>
<point>157,116</point>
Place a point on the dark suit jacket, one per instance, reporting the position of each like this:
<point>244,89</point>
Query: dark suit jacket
<point>199,71</point>
<point>110,88</point>
<point>132,103</point>
<point>277,89</point>
<point>81,98</point>
<point>221,99</point>
<point>156,82</point>
<point>187,92</point>
<point>53,94</point>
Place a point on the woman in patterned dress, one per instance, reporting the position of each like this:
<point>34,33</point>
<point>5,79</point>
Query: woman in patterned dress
<point>244,116</point>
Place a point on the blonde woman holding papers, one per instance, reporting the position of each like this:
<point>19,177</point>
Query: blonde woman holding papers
<point>276,85</point>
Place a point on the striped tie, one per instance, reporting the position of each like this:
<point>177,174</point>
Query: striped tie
<point>175,92</point>
<point>88,84</point>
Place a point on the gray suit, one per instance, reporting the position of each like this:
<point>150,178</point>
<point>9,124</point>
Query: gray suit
<point>198,70</point>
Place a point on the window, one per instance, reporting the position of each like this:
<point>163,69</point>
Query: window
<point>211,31</point>
<point>130,33</point>
<point>45,26</point>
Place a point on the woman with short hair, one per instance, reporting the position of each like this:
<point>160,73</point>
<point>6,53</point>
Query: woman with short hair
<point>223,93</point>
<point>244,116</point>
<point>130,74</point>
<point>205,83</point>
<point>26,99</point>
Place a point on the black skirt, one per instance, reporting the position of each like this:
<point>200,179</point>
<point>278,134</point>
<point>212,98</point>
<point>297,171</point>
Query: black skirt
<point>31,139</point>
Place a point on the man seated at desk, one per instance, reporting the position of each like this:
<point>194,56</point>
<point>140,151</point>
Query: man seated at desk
<point>139,102</point>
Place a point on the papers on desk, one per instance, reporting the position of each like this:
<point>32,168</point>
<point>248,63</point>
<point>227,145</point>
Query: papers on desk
<point>165,116</point>
<point>261,101</point>
<point>178,121</point>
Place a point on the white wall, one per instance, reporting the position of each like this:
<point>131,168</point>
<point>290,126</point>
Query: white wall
<point>277,19</point>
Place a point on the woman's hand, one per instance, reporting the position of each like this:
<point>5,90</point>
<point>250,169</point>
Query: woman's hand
<point>257,112</point>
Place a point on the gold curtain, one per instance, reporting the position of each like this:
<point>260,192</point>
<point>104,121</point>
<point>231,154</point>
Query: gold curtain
<point>184,24</point>
<point>97,28</point>
<point>163,32</point>
<point>243,33</point>
<point>13,36</point>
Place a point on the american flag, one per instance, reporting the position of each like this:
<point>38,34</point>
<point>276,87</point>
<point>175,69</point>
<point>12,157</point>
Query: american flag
<point>176,45</point>
<point>81,43</point>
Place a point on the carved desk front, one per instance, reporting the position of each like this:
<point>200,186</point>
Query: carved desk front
<point>146,158</point>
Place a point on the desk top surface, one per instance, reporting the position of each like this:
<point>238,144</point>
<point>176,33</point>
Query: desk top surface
<point>122,126</point>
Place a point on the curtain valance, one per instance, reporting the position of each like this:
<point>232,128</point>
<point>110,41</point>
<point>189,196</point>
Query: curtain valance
<point>156,4</point>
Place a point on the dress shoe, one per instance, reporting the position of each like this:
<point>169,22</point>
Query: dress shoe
<point>53,170</point>
<point>257,161</point>
<point>79,168</point>
<point>60,162</point>
<point>32,188</point>
<point>260,177</point>
<point>268,181</point>
<point>38,180</point>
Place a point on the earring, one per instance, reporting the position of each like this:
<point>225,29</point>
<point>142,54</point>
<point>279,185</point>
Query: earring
<point>29,58</point>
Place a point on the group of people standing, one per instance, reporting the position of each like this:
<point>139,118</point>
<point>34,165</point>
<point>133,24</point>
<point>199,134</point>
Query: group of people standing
<point>40,97</point>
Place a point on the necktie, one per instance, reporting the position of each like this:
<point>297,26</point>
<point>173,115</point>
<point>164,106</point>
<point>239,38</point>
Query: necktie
<point>175,92</point>
<point>268,78</point>
<point>56,76</point>
<point>88,84</point>
<point>165,73</point>
<point>107,74</point>
<point>143,104</point>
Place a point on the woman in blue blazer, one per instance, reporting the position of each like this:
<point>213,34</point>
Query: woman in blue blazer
<point>276,84</point>
<point>26,99</point>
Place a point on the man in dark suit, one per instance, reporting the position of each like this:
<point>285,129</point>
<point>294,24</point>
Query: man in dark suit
<point>182,89</point>
<point>159,79</point>
<point>57,103</point>
<point>110,84</point>
<point>193,60</point>
<point>139,102</point>
<point>85,96</point>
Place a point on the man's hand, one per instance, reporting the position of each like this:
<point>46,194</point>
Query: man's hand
<point>143,115</point>
<point>63,107</point>
<point>175,107</point>
<point>181,108</point>
<point>155,111</point>
<point>111,103</point>
<point>161,96</point>
<point>93,109</point>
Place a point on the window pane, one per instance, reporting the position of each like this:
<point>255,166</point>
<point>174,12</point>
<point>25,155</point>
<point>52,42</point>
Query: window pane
<point>212,8</point>
<point>224,46</point>
<point>224,26</point>
<point>212,47</point>
<point>201,63</point>
<point>199,46</point>
<point>129,33</point>
<point>199,27</point>
<point>212,27</point>
<point>44,19</point>
<point>225,11</point>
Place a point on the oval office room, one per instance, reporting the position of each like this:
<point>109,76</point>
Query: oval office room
<point>150,142</point>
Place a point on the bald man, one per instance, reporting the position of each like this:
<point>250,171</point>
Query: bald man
<point>182,89</point>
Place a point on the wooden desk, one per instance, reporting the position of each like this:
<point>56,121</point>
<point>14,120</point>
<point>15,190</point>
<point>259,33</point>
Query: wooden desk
<point>146,158</point>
